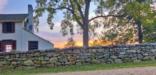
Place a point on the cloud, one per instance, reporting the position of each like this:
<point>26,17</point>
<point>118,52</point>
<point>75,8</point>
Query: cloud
<point>2,5</point>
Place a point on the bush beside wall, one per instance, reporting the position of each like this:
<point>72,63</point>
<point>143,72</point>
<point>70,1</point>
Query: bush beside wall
<point>78,56</point>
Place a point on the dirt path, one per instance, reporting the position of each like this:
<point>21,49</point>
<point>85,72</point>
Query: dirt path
<point>127,71</point>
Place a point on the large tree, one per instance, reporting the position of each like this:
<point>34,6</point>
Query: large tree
<point>140,11</point>
<point>79,11</point>
<point>74,11</point>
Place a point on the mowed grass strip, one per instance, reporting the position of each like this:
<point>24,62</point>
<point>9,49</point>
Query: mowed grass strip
<point>73,68</point>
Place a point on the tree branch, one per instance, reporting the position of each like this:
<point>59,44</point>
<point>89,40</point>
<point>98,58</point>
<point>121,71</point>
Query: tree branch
<point>79,8</point>
<point>75,16</point>
<point>71,10</point>
<point>61,8</point>
<point>103,16</point>
<point>87,6</point>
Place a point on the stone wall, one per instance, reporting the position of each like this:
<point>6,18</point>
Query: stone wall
<point>78,56</point>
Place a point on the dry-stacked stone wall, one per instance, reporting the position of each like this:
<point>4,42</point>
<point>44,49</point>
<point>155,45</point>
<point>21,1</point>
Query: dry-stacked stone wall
<point>78,56</point>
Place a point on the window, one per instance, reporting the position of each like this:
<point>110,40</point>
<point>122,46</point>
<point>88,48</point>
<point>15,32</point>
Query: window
<point>33,45</point>
<point>8,27</point>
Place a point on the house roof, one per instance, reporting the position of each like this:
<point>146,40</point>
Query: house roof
<point>39,37</point>
<point>12,17</point>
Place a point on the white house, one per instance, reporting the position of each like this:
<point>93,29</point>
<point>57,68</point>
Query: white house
<point>17,33</point>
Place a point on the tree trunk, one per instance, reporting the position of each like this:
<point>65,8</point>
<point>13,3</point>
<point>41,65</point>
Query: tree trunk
<point>85,36</point>
<point>86,24</point>
<point>140,33</point>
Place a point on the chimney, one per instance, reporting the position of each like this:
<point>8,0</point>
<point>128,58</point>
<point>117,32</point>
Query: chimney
<point>30,26</point>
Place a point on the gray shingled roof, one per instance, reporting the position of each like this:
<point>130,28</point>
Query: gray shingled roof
<point>12,17</point>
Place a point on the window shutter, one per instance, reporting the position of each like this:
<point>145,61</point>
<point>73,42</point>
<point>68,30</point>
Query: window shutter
<point>0,46</point>
<point>14,44</point>
<point>4,27</point>
<point>12,27</point>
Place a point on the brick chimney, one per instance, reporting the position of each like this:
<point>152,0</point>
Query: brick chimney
<point>30,26</point>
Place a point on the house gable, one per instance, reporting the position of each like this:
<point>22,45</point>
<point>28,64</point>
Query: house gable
<point>19,28</point>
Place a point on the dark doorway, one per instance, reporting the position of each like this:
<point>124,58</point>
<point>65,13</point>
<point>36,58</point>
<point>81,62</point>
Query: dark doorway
<point>7,45</point>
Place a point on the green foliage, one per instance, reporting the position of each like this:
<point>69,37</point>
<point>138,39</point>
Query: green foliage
<point>136,10</point>
<point>141,10</point>
<point>114,29</point>
<point>70,8</point>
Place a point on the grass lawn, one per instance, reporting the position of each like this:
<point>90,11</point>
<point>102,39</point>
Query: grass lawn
<point>76,68</point>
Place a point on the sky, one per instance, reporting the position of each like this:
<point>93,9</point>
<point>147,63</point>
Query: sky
<point>54,36</point>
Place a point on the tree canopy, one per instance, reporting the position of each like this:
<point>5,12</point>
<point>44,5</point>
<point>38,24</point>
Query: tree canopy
<point>143,15</point>
<point>139,12</point>
<point>77,12</point>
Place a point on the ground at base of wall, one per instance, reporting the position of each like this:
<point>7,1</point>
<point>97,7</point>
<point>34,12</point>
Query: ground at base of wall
<point>123,71</point>
<point>87,67</point>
